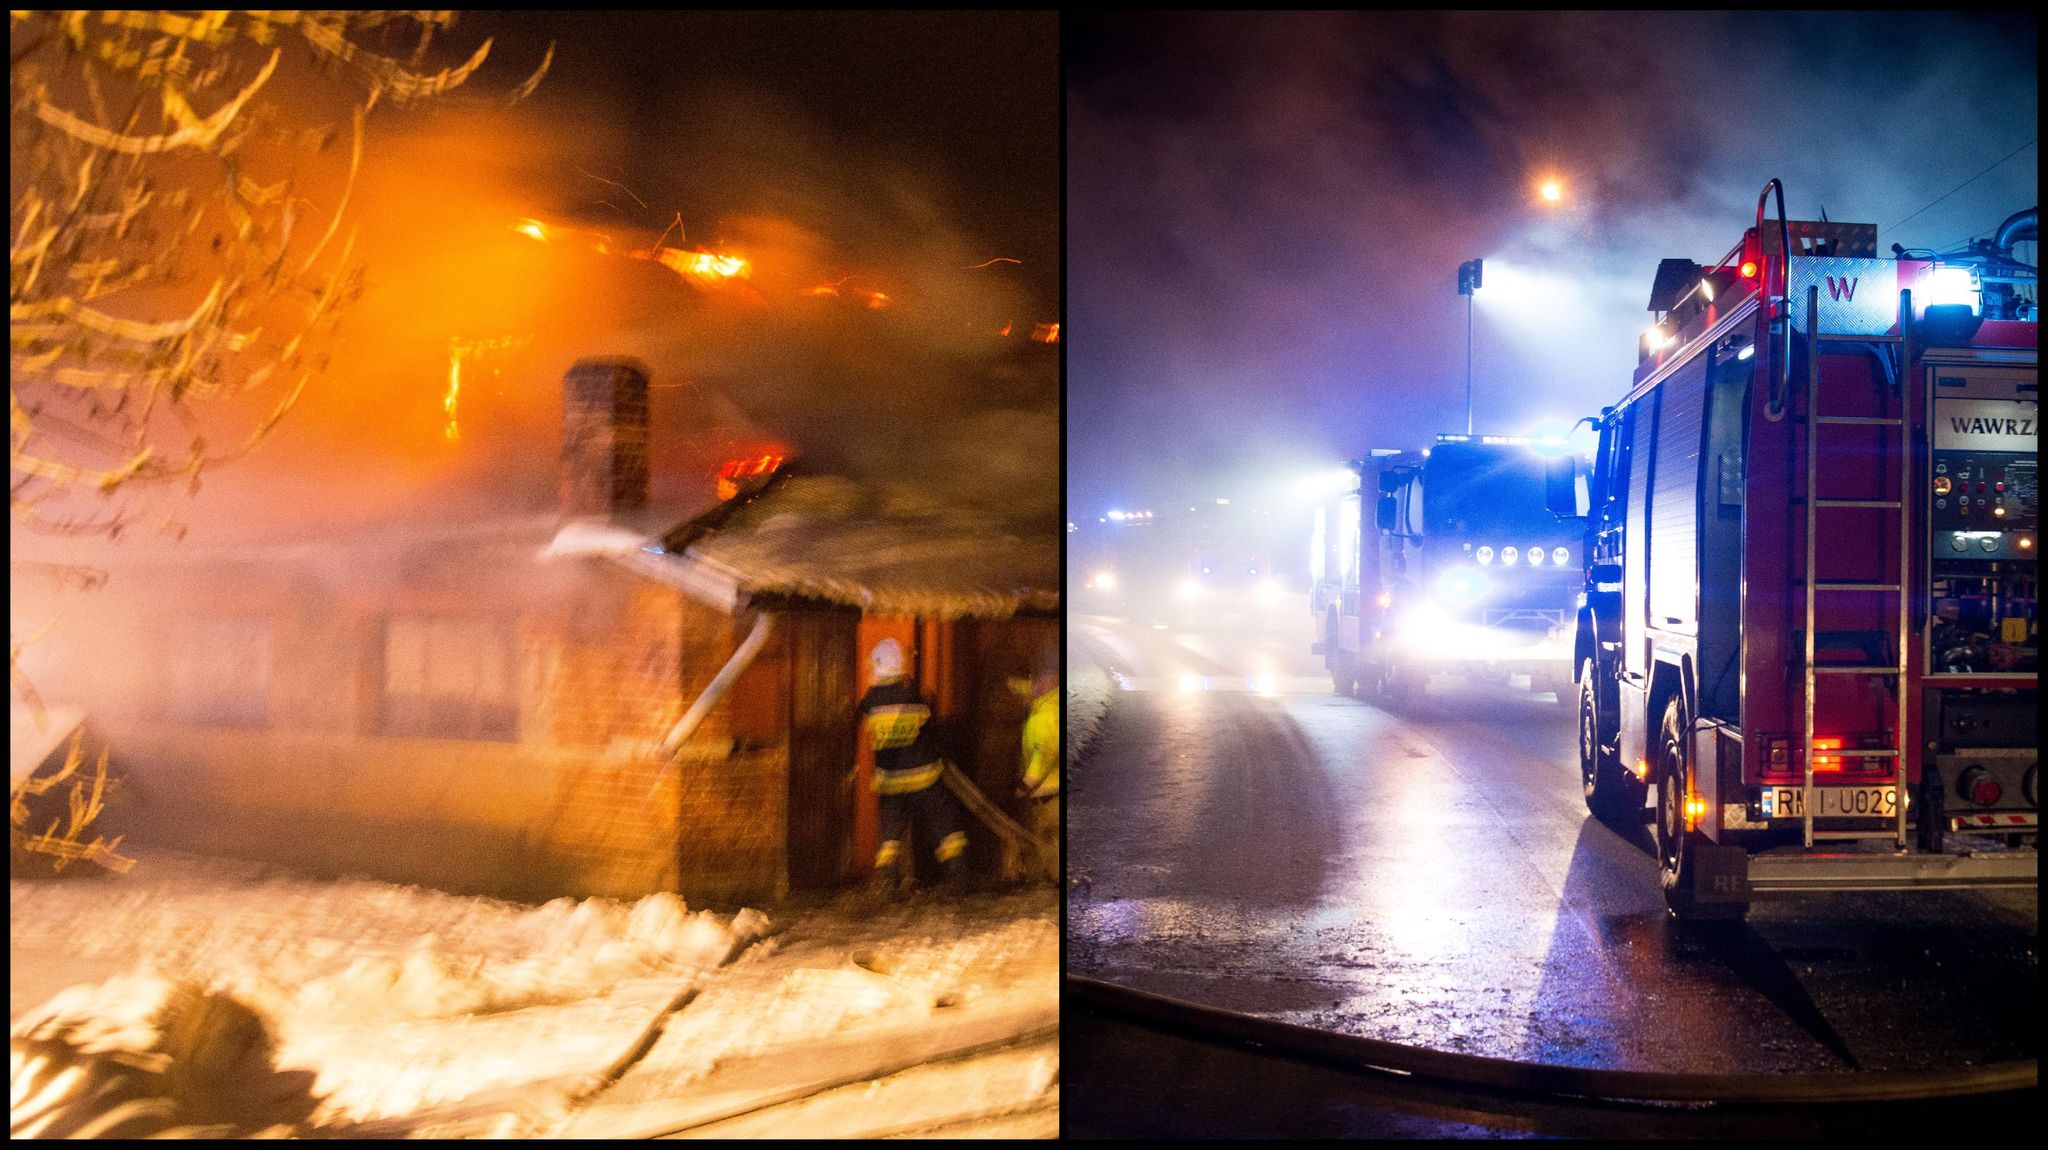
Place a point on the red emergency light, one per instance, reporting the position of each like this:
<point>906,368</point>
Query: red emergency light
<point>1752,255</point>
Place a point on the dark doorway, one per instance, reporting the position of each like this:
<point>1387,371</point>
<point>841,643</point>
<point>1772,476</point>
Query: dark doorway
<point>822,665</point>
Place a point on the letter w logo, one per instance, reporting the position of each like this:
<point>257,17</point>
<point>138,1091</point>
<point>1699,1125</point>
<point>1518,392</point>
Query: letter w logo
<point>1840,289</point>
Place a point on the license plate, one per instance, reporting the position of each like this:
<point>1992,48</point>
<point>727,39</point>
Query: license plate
<point>1868,802</point>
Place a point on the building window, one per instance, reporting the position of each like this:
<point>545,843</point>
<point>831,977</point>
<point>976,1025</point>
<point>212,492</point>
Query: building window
<point>217,672</point>
<point>451,677</point>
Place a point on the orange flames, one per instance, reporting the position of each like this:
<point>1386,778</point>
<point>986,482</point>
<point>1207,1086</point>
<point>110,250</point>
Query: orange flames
<point>451,431</point>
<point>700,266</point>
<point>471,349</point>
<point>704,268</point>
<point>734,472</point>
<point>1046,333</point>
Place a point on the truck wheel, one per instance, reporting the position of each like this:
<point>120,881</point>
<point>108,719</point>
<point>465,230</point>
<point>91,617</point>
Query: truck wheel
<point>1613,795</point>
<point>1342,673</point>
<point>1675,843</point>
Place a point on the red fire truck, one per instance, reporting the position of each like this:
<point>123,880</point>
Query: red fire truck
<point>1809,635</point>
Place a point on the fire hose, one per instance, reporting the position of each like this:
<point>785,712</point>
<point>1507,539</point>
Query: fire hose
<point>1287,1040</point>
<point>993,817</point>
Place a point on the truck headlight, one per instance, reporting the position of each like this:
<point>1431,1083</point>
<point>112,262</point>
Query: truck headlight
<point>1189,590</point>
<point>1508,556</point>
<point>1104,581</point>
<point>1535,556</point>
<point>1484,555</point>
<point>1560,555</point>
<point>1461,585</point>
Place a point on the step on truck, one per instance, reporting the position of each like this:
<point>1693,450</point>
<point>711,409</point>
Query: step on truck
<point>1809,633</point>
<point>1446,560</point>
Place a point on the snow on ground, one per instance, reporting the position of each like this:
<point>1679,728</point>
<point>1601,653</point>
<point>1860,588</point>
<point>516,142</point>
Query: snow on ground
<point>424,1013</point>
<point>387,992</point>
<point>854,1003</point>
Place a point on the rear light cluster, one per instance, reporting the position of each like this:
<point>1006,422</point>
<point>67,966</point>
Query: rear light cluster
<point>1783,756</point>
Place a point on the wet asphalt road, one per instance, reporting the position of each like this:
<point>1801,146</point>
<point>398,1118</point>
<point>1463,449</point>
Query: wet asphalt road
<point>1240,836</point>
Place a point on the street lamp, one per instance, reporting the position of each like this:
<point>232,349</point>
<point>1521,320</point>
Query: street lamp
<point>1468,283</point>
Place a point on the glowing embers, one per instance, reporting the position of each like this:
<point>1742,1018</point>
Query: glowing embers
<point>701,267</point>
<point>839,289</point>
<point>1047,333</point>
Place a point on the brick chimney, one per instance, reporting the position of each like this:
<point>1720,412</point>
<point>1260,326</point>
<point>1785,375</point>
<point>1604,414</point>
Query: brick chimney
<point>604,438</point>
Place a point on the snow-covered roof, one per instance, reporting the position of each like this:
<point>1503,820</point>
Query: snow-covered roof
<point>883,551</point>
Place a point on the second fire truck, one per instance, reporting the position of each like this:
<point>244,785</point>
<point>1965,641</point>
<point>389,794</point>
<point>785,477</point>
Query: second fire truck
<point>1446,561</point>
<point>1809,633</point>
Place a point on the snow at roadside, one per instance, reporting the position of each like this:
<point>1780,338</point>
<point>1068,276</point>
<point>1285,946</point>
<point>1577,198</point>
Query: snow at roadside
<point>423,1013</point>
<point>1089,691</point>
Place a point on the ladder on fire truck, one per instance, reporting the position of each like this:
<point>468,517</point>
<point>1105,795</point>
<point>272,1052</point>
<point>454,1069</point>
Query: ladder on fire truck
<point>1818,344</point>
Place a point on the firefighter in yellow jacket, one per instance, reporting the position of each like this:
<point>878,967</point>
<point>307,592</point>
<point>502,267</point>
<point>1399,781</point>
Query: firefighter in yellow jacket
<point>1041,781</point>
<point>898,719</point>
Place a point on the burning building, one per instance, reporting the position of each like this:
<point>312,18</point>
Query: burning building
<point>611,699</point>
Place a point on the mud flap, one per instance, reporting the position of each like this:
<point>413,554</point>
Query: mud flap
<point>1720,874</point>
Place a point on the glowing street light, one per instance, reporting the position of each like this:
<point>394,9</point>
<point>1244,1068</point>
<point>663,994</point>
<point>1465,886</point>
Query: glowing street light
<point>1552,191</point>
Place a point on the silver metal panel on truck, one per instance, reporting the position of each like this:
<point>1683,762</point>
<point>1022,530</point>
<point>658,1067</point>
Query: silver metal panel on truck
<point>1857,297</point>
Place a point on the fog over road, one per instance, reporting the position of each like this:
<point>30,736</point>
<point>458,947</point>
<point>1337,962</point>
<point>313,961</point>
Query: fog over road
<point>1240,836</point>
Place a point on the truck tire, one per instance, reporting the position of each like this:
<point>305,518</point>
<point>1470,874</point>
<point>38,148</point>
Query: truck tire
<point>1675,844</point>
<point>1613,794</point>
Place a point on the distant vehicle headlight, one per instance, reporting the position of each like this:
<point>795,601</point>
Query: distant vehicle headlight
<point>1508,556</point>
<point>1189,589</point>
<point>1484,555</point>
<point>1535,556</point>
<point>1560,555</point>
<point>1104,581</point>
<point>1269,591</point>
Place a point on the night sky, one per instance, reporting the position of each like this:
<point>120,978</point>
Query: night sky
<point>1265,213</point>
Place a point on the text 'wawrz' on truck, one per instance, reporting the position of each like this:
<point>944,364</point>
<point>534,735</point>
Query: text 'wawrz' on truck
<point>1810,624</point>
<point>1450,563</point>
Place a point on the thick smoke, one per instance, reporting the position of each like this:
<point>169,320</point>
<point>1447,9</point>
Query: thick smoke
<point>689,133</point>
<point>1266,212</point>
